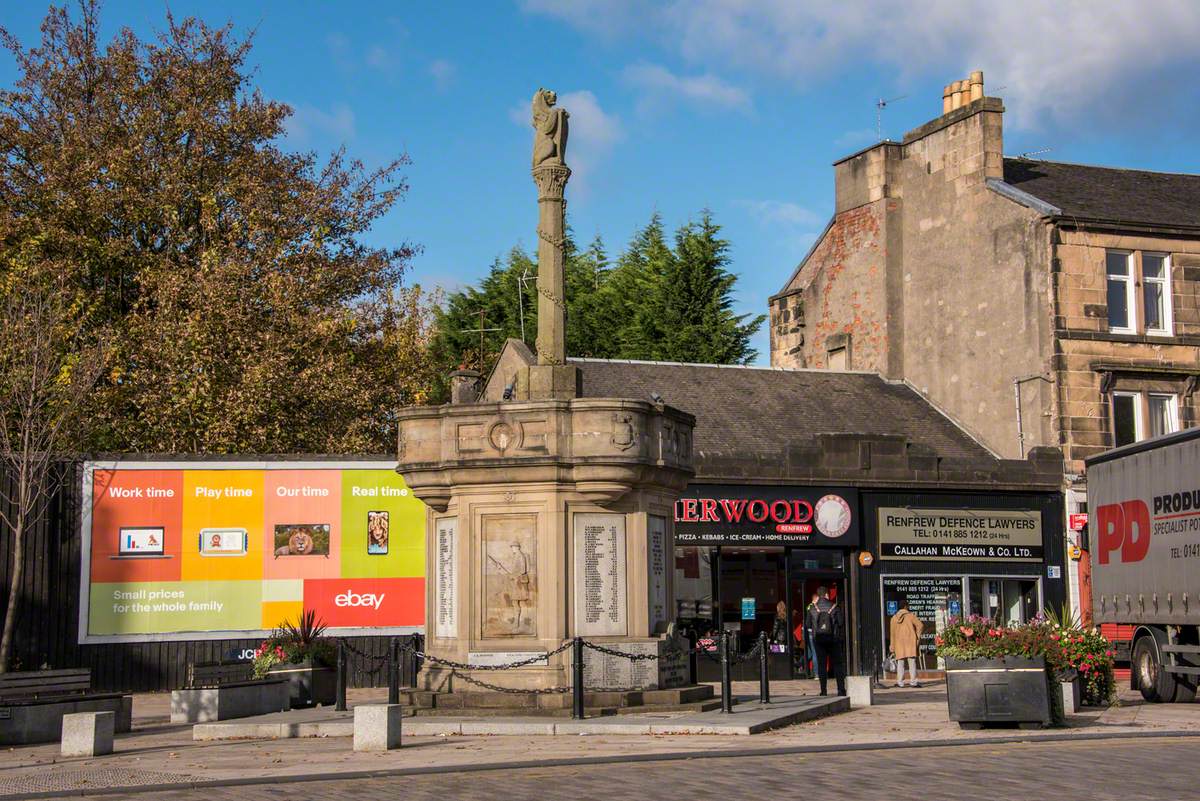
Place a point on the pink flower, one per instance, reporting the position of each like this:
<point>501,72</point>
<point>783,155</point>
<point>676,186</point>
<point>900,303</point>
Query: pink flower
<point>967,632</point>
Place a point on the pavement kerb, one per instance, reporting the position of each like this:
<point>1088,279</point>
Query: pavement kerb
<point>670,756</point>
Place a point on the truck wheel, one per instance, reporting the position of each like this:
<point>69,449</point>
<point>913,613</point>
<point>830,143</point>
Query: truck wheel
<point>1156,684</point>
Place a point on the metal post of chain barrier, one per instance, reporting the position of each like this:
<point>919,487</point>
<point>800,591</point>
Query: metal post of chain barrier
<point>764,679</point>
<point>577,683</point>
<point>418,646</point>
<point>693,666</point>
<point>726,680</point>
<point>394,671</point>
<point>341,675</point>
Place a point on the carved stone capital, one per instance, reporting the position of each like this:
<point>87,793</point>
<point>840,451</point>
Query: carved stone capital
<point>551,180</point>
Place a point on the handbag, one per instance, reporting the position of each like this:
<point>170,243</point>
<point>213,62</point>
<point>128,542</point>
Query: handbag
<point>889,664</point>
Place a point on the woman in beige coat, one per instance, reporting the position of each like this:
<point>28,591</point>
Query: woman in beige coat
<point>905,637</point>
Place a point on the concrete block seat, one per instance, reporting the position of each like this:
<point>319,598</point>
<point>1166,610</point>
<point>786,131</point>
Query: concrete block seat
<point>33,704</point>
<point>223,692</point>
<point>87,734</point>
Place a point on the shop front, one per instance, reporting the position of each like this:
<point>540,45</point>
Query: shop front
<point>749,560</point>
<point>955,555</point>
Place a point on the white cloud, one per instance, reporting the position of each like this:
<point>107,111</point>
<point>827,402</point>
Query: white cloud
<point>704,90</point>
<point>309,123</point>
<point>792,227</point>
<point>380,59</point>
<point>593,133</point>
<point>781,212</point>
<point>443,73</point>
<point>1055,59</point>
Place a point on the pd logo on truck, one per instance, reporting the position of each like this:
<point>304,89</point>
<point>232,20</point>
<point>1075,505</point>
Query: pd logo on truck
<point>1124,528</point>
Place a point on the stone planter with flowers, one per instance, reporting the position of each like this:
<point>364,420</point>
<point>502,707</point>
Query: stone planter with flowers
<point>301,654</point>
<point>998,673</point>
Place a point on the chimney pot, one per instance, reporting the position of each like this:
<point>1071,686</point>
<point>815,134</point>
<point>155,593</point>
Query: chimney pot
<point>946,99</point>
<point>977,85</point>
<point>955,95</point>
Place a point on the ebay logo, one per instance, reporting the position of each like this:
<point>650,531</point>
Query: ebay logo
<point>351,598</point>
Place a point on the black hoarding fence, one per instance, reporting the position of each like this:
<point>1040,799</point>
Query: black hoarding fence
<point>47,623</point>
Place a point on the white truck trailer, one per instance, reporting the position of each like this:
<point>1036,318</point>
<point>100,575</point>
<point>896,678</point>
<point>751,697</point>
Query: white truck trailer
<point>1144,543</point>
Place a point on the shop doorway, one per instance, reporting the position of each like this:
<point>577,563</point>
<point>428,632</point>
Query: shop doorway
<point>810,569</point>
<point>753,602</point>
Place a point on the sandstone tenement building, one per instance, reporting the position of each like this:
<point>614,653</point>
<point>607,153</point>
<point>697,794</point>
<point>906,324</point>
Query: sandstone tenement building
<point>1037,303</point>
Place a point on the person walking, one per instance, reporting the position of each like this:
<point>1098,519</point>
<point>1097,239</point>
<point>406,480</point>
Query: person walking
<point>905,638</point>
<point>828,626</point>
<point>810,650</point>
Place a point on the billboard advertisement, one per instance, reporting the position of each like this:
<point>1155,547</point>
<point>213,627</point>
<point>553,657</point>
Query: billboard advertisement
<point>222,550</point>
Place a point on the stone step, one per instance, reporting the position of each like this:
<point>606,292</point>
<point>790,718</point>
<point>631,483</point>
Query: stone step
<point>502,712</point>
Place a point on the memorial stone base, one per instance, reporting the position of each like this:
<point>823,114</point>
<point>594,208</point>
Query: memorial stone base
<point>603,671</point>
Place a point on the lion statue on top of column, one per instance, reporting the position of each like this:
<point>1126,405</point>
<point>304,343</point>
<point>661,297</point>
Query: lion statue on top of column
<point>550,130</point>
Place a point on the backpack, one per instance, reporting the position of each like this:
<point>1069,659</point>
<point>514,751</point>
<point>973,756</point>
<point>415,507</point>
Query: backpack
<point>824,626</point>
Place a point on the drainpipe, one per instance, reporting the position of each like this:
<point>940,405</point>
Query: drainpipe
<point>1017,382</point>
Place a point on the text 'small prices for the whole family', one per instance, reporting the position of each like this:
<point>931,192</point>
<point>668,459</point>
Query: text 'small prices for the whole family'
<point>209,548</point>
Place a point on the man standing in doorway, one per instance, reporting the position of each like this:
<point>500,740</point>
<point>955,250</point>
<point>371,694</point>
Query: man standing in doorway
<point>828,627</point>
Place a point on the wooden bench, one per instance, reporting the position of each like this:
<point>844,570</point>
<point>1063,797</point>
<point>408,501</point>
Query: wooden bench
<point>32,704</point>
<point>203,675</point>
<point>36,684</point>
<point>224,690</point>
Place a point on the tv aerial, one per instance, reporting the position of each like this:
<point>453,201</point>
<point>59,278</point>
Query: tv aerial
<point>880,105</point>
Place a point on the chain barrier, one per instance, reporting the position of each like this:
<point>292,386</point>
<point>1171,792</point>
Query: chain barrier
<point>510,690</point>
<point>378,660</point>
<point>450,663</point>
<point>737,659</point>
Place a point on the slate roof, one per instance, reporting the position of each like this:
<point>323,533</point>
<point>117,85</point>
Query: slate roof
<point>1157,199</point>
<point>747,410</point>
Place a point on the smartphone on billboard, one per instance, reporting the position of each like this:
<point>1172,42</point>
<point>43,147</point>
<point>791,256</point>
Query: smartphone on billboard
<point>378,532</point>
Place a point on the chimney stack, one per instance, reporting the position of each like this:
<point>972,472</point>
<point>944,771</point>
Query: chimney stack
<point>960,93</point>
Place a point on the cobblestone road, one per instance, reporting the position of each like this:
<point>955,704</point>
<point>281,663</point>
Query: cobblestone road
<point>1109,769</point>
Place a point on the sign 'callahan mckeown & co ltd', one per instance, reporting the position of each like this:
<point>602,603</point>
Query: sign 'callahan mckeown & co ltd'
<point>1004,535</point>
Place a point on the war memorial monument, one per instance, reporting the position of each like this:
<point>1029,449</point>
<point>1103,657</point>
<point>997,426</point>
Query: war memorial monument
<point>550,515</point>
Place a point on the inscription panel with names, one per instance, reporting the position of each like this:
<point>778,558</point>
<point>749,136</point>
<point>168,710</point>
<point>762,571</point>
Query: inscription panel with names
<point>600,575</point>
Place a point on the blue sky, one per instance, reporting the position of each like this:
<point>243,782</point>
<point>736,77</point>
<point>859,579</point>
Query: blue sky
<point>735,106</point>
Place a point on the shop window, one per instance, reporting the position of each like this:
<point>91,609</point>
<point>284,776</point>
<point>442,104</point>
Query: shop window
<point>1120,292</point>
<point>1156,292</point>
<point>693,587</point>
<point>1011,601</point>
<point>935,600</point>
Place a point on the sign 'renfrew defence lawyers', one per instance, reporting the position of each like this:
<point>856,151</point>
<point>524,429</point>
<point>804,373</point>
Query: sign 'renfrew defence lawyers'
<point>1004,535</point>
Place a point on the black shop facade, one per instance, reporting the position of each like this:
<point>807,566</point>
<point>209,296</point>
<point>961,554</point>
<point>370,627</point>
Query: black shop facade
<point>750,558</point>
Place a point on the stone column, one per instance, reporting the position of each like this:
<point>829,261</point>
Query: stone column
<point>551,180</point>
<point>552,377</point>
